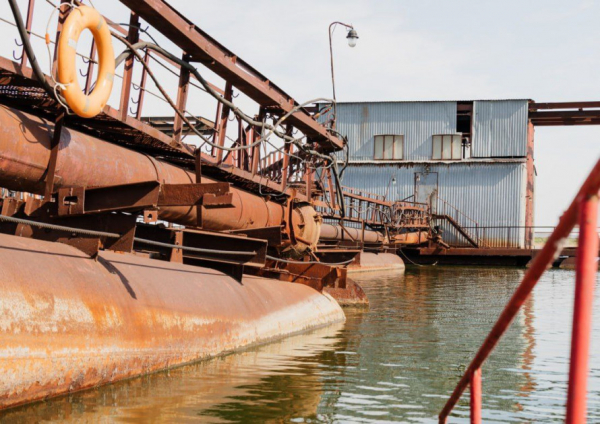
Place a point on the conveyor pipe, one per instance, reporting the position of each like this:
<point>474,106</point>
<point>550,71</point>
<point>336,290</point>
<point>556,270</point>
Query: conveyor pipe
<point>336,232</point>
<point>87,161</point>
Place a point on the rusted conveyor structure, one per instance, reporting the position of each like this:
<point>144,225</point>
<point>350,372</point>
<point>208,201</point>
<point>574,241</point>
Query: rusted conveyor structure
<point>125,250</point>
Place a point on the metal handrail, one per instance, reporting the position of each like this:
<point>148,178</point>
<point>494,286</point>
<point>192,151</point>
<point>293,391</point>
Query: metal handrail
<point>479,239</point>
<point>458,211</point>
<point>584,209</point>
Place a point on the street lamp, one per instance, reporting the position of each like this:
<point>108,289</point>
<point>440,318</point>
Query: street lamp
<point>387,190</point>
<point>352,38</point>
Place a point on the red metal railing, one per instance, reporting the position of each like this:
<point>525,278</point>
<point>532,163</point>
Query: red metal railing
<point>583,209</point>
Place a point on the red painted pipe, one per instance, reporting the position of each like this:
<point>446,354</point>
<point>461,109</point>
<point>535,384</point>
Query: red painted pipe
<point>476,396</point>
<point>585,280</point>
<point>543,260</point>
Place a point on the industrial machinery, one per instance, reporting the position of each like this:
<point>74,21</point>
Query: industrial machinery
<point>132,243</point>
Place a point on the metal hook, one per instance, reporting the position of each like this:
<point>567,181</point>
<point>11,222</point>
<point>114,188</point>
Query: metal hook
<point>15,56</point>
<point>15,53</point>
<point>135,102</point>
<point>234,95</point>
<point>135,86</point>
<point>85,60</point>
<point>82,74</point>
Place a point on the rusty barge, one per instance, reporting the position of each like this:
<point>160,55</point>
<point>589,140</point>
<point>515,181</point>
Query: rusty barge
<point>133,243</point>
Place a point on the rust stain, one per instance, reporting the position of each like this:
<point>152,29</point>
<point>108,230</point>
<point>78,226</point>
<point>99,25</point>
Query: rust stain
<point>68,323</point>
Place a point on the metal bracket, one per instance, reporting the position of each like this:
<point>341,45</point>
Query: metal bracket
<point>54,147</point>
<point>203,240</point>
<point>146,196</point>
<point>273,235</point>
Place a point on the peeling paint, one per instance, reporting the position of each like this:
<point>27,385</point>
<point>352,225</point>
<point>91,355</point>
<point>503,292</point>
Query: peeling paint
<point>67,324</point>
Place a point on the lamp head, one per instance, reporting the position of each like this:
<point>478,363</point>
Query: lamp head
<point>352,37</point>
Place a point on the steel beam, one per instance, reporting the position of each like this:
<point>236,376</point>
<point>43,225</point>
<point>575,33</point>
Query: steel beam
<point>140,196</point>
<point>132,37</point>
<point>564,105</point>
<point>529,194</point>
<point>228,66</point>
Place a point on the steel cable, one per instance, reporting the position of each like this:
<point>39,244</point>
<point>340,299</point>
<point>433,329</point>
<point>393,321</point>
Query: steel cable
<point>56,227</point>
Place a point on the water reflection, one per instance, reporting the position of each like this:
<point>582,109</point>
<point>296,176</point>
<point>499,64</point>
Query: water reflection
<point>397,362</point>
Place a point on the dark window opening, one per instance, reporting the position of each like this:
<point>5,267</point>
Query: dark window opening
<point>464,125</point>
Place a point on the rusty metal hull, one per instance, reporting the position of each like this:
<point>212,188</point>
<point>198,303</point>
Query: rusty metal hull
<point>87,161</point>
<point>369,262</point>
<point>68,322</point>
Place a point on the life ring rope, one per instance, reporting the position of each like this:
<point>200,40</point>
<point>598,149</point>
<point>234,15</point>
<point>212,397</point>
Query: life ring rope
<point>84,105</point>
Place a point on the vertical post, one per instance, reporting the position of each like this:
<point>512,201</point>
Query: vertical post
<point>362,236</point>
<point>54,147</point>
<point>287,149</point>
<point>529,206</point>
<point>585,279</point>
<point>132,37</point>
<point>476,396</point>
<point>182,94</point>
<point>90,71</point>
<point>177,254</point>
<point>28,23</point>
<point>222,119</point>
<point>332,190</point>
<point>140,102</point>
<point>198,171</point>
<point>63,12</point>
<point>244,155</point>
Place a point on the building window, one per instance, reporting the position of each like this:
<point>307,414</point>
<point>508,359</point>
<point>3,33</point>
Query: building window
<point>389,147</point>
<point>447,147</point>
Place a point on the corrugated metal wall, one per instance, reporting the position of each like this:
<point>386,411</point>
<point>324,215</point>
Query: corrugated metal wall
<point>491,194</point>
<point>499,128</point>
<point>417,121</point>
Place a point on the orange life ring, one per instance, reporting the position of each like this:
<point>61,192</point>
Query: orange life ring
<point>81,18</point>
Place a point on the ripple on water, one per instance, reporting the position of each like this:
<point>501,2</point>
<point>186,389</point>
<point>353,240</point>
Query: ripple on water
<point>395,362</point>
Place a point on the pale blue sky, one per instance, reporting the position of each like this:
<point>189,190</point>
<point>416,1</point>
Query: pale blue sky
<point>546,50</point>
<point>433,50</point>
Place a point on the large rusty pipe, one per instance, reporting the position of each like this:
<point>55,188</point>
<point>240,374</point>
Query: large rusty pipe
<point>336,232</point>
<point>84,160</point>
<point>68,322</point>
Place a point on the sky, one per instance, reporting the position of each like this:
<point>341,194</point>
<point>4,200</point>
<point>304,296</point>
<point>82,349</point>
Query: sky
<point>545,50</point>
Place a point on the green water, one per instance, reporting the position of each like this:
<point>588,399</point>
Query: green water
<point>396,362</point>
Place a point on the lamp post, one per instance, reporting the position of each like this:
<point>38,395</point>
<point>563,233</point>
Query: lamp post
<point>352,38</point>
<point>387,190</point>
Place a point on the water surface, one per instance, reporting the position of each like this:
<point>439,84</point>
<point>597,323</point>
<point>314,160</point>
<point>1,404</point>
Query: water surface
<point>395,362</point>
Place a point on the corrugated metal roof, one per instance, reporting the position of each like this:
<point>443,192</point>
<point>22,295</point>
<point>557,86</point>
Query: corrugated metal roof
<point>430,101</point>
<point>436,161</point>
<point>499,128</point>
<point>490,194</point>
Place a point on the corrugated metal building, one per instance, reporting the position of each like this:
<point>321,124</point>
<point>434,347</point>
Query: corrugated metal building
<point>471,160</point>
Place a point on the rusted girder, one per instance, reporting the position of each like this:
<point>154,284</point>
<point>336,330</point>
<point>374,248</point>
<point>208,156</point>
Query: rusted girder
<point>140,196</point>
<point>203,48</point>
<point>85,161</point>
<point>564,113</point>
